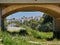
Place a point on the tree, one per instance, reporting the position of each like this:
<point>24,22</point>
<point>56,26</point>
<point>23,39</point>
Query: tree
<point>33,23</point>
<point>47,23</point>
<point>47,18</point>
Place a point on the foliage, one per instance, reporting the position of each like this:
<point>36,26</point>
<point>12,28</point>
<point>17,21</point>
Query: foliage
<point>22,40</point>
<point>48,27</point>
<point>33,23</point>
<point>13,40</point>
<point>45,23</point>
<point>37,34</point>
<point>47,18</point>
<point>33,28</point>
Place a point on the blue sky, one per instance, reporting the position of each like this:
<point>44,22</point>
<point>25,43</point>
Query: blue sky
<point>27,14</point>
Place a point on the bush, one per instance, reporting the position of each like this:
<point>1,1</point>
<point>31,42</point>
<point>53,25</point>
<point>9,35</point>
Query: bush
<point>41,35</point>
<point>23,32</point>
<point>48,27</point>
<point>36,34</point>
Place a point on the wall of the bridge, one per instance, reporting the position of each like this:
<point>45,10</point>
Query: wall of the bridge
<point>57,28</point>
<point>57,24</point>
<point>29,1</point>
<point>1,20</point>
<point>0,15</point>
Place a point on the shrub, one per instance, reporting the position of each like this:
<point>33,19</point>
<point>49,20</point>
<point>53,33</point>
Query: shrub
<point>48,27</point>
<point>36,34</point>
<point>23,32</point>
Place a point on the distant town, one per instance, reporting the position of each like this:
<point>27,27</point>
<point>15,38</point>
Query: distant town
<point>24,18</point>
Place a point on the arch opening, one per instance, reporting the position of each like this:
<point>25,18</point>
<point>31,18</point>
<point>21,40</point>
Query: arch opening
<point>42,30</point>
<point>55,13</point>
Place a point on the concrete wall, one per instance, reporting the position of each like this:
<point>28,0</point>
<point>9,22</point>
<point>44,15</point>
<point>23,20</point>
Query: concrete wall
<point>29,1</point>
<point>57,28</point>
<point>57,24</point>
<point>0,15</point>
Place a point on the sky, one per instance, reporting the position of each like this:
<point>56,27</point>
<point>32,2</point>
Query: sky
<point>21,14</point>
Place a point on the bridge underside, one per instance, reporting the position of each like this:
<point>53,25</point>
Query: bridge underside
<point>51,9</point>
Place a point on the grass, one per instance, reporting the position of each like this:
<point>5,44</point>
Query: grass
<point>14,40</point>
<point>34,36</point>
<point>38,34</point>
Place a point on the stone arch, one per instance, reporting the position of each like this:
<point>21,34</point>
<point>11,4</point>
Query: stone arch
<point>53,10</point>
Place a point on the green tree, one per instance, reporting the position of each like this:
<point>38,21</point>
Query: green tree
<point>47,18</point>
<point>33,23</point>
<point>46,24</point>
